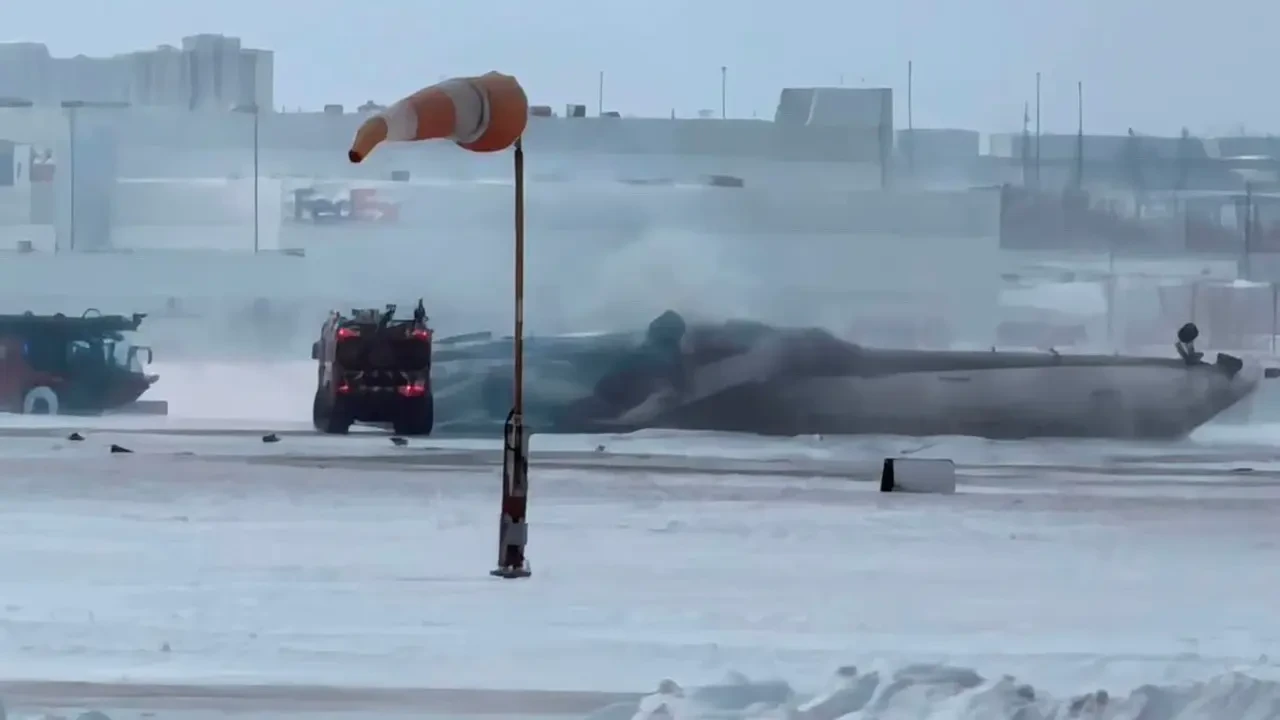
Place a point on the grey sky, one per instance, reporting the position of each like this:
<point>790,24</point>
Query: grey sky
<point>1155,65</point>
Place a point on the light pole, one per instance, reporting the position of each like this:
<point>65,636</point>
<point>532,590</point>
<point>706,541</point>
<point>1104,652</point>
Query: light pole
<point>71,106</point>
<point>911,125</point>
<point>1079,135</point>
<point>724,84</point>
<point>1037,132</point>
<point>257,114</point>
<point>256,174</point>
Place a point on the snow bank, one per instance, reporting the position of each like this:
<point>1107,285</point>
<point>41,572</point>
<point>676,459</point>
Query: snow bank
<point>938,692</point>
<point>917,692</point>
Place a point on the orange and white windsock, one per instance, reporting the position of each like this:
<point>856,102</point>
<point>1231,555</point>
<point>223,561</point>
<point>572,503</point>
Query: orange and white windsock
<point>482,114</point>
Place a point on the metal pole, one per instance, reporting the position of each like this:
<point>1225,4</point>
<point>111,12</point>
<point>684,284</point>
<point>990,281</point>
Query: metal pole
<point>1248,231</point>
<point>911,127</point>
<point>1037,131</point>
<point>1079,135</point>
<point>1111,294</point>
<point>256,114</point>
<point>600,96</point>
<point>513,529</point>
<point>71,119</point>
<point>1025,149</point>
<point>518,337</point>
<point>1275,297</point>
<point>724,84</point>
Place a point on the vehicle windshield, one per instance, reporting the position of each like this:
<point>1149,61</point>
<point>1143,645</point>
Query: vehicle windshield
<point>121,353</point>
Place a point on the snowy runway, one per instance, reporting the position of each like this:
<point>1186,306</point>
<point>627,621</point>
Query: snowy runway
<point>208,558</point>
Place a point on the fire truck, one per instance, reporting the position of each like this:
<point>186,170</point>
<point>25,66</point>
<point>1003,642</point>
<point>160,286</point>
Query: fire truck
<point>374,369</point>
<point>67,365</point>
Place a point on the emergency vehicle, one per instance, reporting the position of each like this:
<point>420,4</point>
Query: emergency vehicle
<point>60,364</point>
<point>374,369</point>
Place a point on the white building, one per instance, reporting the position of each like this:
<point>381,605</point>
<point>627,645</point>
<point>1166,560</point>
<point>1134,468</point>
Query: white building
<point>208,72</point>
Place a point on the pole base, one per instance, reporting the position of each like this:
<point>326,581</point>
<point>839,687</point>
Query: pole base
<point>511,573</point>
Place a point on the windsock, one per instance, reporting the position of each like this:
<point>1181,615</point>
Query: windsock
<point>481,114</point>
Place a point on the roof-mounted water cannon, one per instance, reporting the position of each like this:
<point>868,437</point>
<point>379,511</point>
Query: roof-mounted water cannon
<point>388,315</point>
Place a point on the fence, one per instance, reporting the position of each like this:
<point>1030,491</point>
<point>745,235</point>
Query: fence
<point>1239,315</point>
<point>1204,222</point>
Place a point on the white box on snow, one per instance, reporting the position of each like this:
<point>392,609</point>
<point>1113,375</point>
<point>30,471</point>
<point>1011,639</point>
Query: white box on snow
<point>918,475</point>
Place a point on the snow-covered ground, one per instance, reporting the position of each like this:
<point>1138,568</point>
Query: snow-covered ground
<point>350,576</point>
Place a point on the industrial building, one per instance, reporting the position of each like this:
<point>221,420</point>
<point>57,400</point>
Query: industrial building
<point>213,72</point>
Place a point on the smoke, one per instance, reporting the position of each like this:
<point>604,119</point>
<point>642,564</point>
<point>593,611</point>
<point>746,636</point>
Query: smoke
<point>663,269</point>
<point>262,391</point>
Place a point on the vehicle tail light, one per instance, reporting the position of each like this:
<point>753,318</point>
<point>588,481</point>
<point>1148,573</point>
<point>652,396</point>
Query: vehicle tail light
<point>417,389</point>
<point>348,333</point>
<point>421,334</point>
<point>344,388</point>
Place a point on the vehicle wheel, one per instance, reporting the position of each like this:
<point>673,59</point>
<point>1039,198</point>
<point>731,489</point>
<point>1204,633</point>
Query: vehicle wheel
<point>327,416</point>
<point>416,418</point>
<point>40,400</point>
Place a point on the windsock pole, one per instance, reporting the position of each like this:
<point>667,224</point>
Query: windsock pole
<point>485,113</point>
<point>513,529</point>
<point>518,337</point>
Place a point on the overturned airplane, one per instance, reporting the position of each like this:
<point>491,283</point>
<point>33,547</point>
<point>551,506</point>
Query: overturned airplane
<point>749,377</point>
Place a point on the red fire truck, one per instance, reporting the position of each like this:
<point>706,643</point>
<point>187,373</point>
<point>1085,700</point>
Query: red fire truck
<point>374,369</point>
<point>59,364</point>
